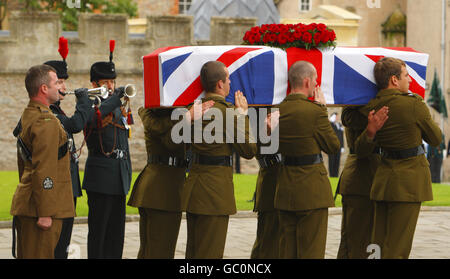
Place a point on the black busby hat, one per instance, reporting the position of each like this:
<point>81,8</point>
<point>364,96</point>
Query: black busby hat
<point>104,70</point>
<point>58,65</point>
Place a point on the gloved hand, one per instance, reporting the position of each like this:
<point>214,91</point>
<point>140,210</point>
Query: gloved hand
<point>81,92</point>
<point>120,91</point>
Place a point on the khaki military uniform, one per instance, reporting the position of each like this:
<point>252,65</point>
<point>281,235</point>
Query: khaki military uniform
<point>45,187</point>
<point>303,192</point>
<point>157,190</point>
<point>354,186</point>
<point>400,185</point>
<point>268,233</point>
<point>208,194</point>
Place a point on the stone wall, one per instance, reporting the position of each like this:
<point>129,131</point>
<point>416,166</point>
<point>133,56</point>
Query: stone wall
<point>33,39</point>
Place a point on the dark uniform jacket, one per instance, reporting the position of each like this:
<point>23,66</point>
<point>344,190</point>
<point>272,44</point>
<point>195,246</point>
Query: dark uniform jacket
<point>304,130</point>
<point>73,125</point>
<point>359,169</point>
<point>159,186</point>
<point>406,180</point>
<point>108,174</point>
<point>45,188</point>
<point>209,189</point>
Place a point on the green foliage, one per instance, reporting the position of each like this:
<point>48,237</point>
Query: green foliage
<point>69,16</point>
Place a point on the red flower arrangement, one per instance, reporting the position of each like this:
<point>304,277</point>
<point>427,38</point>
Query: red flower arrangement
<point>291,35</point>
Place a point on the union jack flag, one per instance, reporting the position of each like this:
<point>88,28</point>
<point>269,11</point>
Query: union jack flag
<point>345,74</point>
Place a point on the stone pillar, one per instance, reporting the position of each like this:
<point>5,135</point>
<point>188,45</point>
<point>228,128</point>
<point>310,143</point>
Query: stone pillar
<point>33,33</point>
<point>170,30</point>
<point>229,31</point>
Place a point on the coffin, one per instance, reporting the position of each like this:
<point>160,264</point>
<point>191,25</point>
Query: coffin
<point>345,74</point>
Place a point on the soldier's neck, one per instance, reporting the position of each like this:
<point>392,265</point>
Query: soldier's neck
<point>213,94</point>
<point>41,100</point>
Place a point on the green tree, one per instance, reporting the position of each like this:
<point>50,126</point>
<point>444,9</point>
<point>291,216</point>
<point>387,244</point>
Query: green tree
<point>69,16</point>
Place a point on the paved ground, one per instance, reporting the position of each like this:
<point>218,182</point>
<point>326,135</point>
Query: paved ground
<point>432,237</point>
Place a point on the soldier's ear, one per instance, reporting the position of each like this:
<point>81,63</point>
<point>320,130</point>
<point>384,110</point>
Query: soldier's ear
<point>393,80</point>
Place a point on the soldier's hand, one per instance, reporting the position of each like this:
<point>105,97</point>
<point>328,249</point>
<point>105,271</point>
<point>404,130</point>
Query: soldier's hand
<point>120,91</point>
<point>376,120</point>
<point>319,96</point>
<point>44,223</point>
<point>240,102</point>
<point>198,110</point>
<point>81,92</point>
<point>272,121</point>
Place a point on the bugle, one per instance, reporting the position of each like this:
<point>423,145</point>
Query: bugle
<point>99,92</point>
<point>129,90</point>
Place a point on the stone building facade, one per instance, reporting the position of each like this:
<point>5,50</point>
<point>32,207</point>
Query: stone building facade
<point>33,39</point>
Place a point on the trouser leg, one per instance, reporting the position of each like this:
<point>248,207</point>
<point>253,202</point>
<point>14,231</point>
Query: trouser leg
<point>106,223</point>
<point>395,224</point>
<point>304,233</point>
<point>158,231</point>
<point>267,241</point>
<point>356,228</point>
<point>206,236</point>
<point>35,243</point>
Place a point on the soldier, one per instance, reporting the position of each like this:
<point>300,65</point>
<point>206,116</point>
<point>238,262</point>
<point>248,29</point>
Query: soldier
<point>402,180</point>
<point>334,160</point>
<point>268,232</point>
<point>208,194</point>
<point>43,198</point>
<point>107,174</point>
<point>157,190</point>
<point>72,125</point>
<point>355,182</point>
<point>303,192</point>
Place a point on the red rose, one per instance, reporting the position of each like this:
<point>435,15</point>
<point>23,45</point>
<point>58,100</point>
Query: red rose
<point>264,28</point>
<point>317,38</point>
<point>257,37</point>
<point>273,38</point>
<point>297,35</point>
<point>307,37</point>
<point>282,38</point>
<point>325,37</point>
<point>251,40</point>
<point>332,35</point>
<point>246,36</point>
<point>274,28</point>
<point>266,38</point>
<point>321,27</point>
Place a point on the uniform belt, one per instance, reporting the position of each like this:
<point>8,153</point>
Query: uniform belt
<point>226,161</point>
<point>267,161</point>
<point>376,150</point>
<point>115,154</point>
<point>170,161</point>
<point>402,154</point>
<point>302,160</point>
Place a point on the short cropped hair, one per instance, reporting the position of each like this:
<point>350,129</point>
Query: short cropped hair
<point>211,73</point>
<point>37,76</point>
<point>298,72</point>
<point>385,68</point>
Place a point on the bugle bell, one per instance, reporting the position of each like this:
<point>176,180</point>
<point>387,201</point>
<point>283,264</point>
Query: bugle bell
<point>128,90</point>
